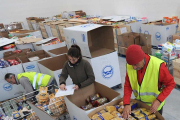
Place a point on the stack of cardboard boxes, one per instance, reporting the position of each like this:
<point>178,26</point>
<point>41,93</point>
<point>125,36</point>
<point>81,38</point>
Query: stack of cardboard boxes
<point>176,68</point>
<point>33,21</point>
<point>127,39</point>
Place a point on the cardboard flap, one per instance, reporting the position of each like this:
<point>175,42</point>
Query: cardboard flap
<point>59,51</point>
<point>95,52</point>
<point>24,59</point>
<point>25,40</point>
<point>44,41</point>
<point>58,62</point>
<point>78,20</point>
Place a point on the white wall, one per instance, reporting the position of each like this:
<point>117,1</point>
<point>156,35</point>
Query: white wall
<point>18,10</point>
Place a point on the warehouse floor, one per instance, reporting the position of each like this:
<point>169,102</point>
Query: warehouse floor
<point>171,108</point>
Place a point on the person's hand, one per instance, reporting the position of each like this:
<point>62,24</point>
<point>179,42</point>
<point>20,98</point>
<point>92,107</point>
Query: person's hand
<point>76,87</point>
<point>62,87</point>
<point>154,106</point>
<point>126,111</point>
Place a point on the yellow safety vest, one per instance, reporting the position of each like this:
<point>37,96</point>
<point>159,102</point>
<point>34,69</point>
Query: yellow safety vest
<point>148,91</point>
<point>36,79</point>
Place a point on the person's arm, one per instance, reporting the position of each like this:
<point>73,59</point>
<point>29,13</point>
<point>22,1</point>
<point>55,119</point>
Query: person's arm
<point>24,81</point>
<point>64,75</point>
<point>90,74</point>
<point>166,79</point>
<point>127,91</point>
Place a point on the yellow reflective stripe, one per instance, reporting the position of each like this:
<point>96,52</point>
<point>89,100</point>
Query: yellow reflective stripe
<point>145,93</point>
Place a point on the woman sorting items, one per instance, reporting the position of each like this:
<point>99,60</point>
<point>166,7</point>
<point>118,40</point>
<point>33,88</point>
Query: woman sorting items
<point>78,69</point>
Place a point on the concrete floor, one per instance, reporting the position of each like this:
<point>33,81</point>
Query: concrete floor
<point>171,110</point>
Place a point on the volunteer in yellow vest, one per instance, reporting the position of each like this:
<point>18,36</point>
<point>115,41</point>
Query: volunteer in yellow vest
<point>146,75</point>
<point>29,80</point>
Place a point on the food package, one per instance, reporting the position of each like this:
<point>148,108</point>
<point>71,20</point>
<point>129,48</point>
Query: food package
<point>110,109</point>
<point>93,98</point>
<point>17,51</point>
<point>116,114</point>
<point>147,112</point>
<point>117,118</point>
<point>168,47</point>
<point>152,117</point>
<point>104,116</point>
<point>119,108</point>
<point>140,116</point>
<point>8,46</point>
<point>87,107</point>
<point>100,101</point>
<point>4,64</point>
<point>97,114</point>
<point>13,62</point>
<point>43,96</point>
<point>121,103</point>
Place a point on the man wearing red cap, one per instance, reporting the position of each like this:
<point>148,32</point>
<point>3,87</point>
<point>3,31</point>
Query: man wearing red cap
<point>146,75</point>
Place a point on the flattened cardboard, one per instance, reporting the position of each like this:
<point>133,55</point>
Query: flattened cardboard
<point>116,102</point>
<point>78,99</point>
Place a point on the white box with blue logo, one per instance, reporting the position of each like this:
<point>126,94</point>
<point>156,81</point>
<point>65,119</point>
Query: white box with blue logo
<point>160,32</point>
<point>78,99</point>
<point>91,38</point>
<point>53,67</point>
<point>8,91</point>
<point>106,69</point>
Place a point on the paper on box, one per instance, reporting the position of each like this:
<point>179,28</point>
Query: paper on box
<point>106,69</point>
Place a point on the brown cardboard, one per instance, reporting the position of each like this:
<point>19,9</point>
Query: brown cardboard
<point>21,31</point>
<point>25,40</point>
<point>176,64</point>
<point>39,53</point>
<point>78,20</point>
<point>58,62</point>
<point>59,51</point>
<point>122,50</point>
<point>122,26</point>
<point>1,25</point>
<point>79,96</point>
<point>176,36</point>
<point>116,102</point>
<point>61,26</point>
<point>177,80</point>
<point>146,49</point>
<point>12,58</point>
<point>145,40</point>
<point>8,54</point>
<point>43,30</point>
<point>96,41</point>
<point>4,34</point>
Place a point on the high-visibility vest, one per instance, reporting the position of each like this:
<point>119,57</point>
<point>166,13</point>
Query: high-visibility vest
<point>36,79</point>
<point>148,91</point>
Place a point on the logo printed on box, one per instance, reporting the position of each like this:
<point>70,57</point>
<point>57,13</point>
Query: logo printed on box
<point>107,72</point>
<point>74,118</point>
<point>59,75</point>
<point>167,28</point>
<point>83,37</point>
<point>131,30</point>
<point>73,41</point>
<point>158,36</point>
<point>7,87</point>
<point>146,32</point>
<point>30,67</point>
<point>140,30</point>
<point>170,37</point>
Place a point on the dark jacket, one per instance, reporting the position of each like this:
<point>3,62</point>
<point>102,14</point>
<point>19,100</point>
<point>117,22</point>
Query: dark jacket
<point>81,74</point>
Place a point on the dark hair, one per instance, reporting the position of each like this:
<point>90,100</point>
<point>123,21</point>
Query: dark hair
<point>75,51</point>
<point>8,75</point>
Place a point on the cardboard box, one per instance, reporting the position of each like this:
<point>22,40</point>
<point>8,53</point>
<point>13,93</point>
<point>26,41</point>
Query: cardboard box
<point>41,44</point>
<point>3,51</point>
<point>176,68</point>
<point>4,34</point>
<point>7,90</point>
<point>106,69</point>
<point>92,39</point>
<point>58,51</point>
<point>55,29</point>
<point>122,50</point>
<point>61,27</point>
<point>146,49</point>
<point>160,32</point>
<point>176,36</point>
<point>53,67</point>
<point>48,28</point>
<point>123,29</point>
<point>43,30</point>
<point>116,102</point>
<point>37,34</point>
<point>1,25</point>
<point>33,66</point>
<point>73,102</point>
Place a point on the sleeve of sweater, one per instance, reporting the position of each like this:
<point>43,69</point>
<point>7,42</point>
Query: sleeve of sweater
<point>64,75</point>
<point>24,81</point>
<point>90,75</point>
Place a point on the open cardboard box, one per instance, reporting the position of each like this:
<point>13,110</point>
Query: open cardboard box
<point>53,67</point>
<point>41,44</point>
<point>73,102</point>
<point>116,102</point>
<point>93,39</point>
<point>32,66</point>
<point>58,51</point>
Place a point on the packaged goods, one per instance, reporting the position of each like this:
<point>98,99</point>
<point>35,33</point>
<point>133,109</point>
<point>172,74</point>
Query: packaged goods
<point>93,98</point>
<point>104,116</point>
<point>100,101</point>
<point>4,63</point>
<point>97,114</point>
<point>8,46</point>
<point>116,114</point>
<point>87,107</point>
<point>13,62</point>
<point>110,109</point>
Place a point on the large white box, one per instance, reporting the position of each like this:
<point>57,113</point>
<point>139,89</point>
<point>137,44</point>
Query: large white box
<point>53,67</point>
<point>136,26</point>
<point>8,91</point>
<point>160,32</point>
<point>73,102</point>
<point>40,45</point>
<point>33,66</point>
<point>106,69</point>
<point>91,38</point>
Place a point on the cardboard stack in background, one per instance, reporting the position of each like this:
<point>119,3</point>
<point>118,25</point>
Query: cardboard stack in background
<point>160,32</point>
<point>61,31</point>
<point>97,46</point>
<point>35,23</point>
<point>33,20</point>
<point>176,72</point>
<point>43,30</point>
<point>55,30</point>
<point>48,28</point>
<point>127,39</point>
<point>176,36</point>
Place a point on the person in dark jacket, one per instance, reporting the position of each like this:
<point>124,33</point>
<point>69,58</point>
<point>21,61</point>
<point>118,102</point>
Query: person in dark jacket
<point>78,69</point>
